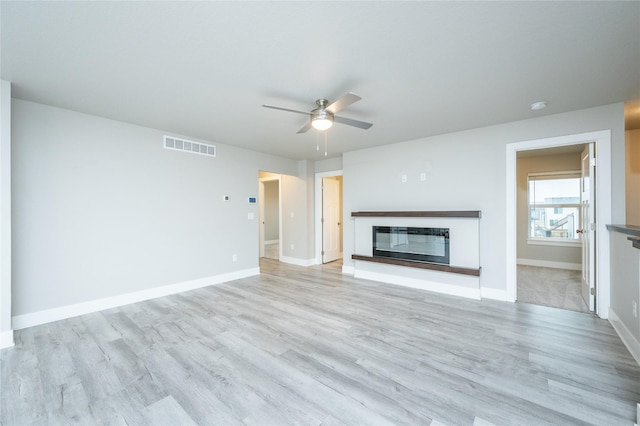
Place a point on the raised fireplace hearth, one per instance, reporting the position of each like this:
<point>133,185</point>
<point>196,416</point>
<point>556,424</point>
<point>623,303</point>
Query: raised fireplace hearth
<point>416,244</point>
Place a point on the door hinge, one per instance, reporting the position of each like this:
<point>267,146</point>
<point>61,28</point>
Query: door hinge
<point>593,291</point>
<point>593,162</point>
<point>322,252</point>
<point>322,220</point>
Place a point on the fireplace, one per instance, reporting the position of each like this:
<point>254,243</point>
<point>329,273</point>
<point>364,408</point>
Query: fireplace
<point>417,244</point>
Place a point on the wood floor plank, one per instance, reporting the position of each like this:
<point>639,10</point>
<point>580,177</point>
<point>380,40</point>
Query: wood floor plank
<point>312,346</point>
<point>21,399</point>
<point>388,401</point>
<point>167,411</point>
<point>195,398</point>
<point>63,394</point>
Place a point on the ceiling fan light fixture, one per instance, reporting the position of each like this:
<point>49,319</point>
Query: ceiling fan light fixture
<point>321,123</point>
<point>322,120</point>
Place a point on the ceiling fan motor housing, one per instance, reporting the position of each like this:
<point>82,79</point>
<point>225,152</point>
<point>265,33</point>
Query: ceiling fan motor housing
<point>321,114</point>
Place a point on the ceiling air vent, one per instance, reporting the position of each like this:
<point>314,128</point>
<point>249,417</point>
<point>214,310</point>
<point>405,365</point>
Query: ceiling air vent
<point>189,146</point>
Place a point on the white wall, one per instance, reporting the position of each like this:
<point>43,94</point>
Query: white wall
<point>6,329</point>
<point>271,210</point>
<point>625,290</point>
<point>466,171</point>
<point>306,172</point>
<point>328,165</point>
<point>297,216</point>
<point>100,209</point>
<point>543,254</point>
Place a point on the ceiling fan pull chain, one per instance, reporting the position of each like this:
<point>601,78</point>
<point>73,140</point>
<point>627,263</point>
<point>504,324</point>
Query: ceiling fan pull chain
<point>318,140</point>
<point>325,143</point>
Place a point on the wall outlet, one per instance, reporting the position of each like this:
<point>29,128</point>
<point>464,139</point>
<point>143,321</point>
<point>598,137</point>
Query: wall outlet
<point>403,178</point>
<point>634,307</point>
<point>250,216</point>
<point>291,215</point>
<point>234,258</point>
<point>291,246</point>
<point>423,177</point>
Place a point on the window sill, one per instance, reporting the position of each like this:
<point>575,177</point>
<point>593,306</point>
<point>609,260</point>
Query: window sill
<point>556,243</point>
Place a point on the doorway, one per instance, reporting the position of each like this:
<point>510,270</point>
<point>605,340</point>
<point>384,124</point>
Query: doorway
<point>270,220</point>
<point>549,228</point>
<point>329,216</point>
<point>602,210</point>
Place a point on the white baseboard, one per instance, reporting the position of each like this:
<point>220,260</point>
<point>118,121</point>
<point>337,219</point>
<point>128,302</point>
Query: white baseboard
<point>42,317</point>
<point>296,261</point>
<point>485,293</point>
<point>348,269</point>
<point>493,293</point>
<point>272,241</point>
<point>550,264</point>
<point>629,340</point>
<point>6,339</point>
<point>453,290</point>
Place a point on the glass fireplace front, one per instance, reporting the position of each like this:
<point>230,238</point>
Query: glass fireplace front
<point>417,244</point>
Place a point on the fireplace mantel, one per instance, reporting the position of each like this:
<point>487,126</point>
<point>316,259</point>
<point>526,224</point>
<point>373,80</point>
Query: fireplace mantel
<point>447,213</point>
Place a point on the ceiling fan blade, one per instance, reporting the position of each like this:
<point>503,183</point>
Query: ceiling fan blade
<point>350,122</point>
<point>286,109</point>
<point>343,102</point>
<point>306,128</point>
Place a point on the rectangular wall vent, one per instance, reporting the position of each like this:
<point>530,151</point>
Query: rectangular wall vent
<point>189,146</point>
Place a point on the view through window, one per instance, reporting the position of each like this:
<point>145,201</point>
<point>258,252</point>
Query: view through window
<point>554,206</point>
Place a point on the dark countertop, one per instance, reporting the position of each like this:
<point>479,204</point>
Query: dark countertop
<point>625,229</point>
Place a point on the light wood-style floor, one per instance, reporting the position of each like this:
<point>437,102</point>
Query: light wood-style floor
<point>557,288</point>
<point>311,346</point>
<point>272,251</point>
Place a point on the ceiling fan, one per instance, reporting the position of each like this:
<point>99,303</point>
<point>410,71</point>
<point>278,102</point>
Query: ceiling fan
<point>324,116</point>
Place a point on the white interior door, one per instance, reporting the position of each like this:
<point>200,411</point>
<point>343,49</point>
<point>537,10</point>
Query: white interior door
<point>330,220</point>
<point>587,226</point>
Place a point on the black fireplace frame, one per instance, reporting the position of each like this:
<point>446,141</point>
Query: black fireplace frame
<point>416,257</point>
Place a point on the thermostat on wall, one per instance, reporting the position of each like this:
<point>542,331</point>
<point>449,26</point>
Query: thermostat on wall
<point>252,200</point>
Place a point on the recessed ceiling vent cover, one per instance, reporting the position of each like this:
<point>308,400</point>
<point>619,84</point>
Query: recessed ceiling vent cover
<point>189,146</point>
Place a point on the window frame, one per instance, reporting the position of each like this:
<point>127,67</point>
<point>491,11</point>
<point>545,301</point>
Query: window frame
<point>553,241</point>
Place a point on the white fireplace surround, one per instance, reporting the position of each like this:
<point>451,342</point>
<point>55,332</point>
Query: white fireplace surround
<point>464,246</point>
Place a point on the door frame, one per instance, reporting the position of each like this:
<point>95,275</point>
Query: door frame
<point>261,182</point>
<point>602,140</point>
<point>318,212</point>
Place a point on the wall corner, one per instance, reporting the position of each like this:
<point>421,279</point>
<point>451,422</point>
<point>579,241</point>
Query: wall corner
<point>6,331</point>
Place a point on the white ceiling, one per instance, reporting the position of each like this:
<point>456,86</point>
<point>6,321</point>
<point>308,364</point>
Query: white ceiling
<point>203,69</point>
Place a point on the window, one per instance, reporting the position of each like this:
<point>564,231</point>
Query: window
<point>554,207</point>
